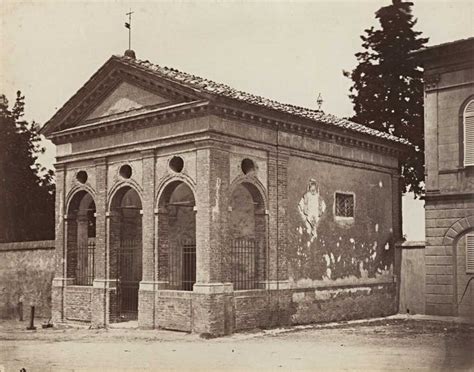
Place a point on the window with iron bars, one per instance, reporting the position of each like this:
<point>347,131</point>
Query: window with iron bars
<point>344,205</point>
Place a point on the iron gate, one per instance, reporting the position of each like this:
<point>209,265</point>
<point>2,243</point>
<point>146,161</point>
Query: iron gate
<point>85,262</point>
<point>130,274</point>
<point>182,270</point>
<point>244,263</point>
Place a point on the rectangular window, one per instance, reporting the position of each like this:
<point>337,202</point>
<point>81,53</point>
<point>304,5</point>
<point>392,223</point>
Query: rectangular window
<point>344,205</point>
<point>470,254</point>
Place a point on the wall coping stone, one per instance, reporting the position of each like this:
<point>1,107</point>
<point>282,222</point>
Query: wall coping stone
<point>27,246</point>
<point>411,245</point>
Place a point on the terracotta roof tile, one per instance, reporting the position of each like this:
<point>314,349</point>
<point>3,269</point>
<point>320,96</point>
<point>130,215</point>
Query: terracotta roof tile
<point>211,87</point>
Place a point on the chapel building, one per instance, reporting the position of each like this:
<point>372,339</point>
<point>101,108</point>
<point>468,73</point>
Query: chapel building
<point>190,205</point>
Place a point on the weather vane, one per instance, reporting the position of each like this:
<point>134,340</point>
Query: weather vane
<point>319,101</point>
<point>129,26</point>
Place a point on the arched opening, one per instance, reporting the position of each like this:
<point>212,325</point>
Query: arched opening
<point>177,236</point>
<point>81,239</point>
<point>126,250</point>
<point>247,228</point>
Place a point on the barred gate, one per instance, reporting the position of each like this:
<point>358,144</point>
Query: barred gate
<point>244,263</point>
<point>85,262</point>
<point>130,273</point>
<point>182,264</point>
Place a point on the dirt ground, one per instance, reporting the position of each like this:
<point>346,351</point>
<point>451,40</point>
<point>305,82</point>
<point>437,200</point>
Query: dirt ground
<point>389,344</point>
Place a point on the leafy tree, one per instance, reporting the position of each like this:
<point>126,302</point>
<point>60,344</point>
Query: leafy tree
<point>27,189</point>
<point>387,90</point>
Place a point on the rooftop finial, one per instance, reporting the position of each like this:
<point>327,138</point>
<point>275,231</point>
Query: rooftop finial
<point>129,52</point>
<point>319,101</point>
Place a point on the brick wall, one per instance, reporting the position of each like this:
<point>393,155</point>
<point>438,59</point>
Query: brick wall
<point>78,303</point>
<point>26,272</point>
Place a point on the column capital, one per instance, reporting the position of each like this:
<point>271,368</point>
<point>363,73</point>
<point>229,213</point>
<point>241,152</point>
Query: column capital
<point>149,153</point>
<point>59,167</point>
<point>100,161</point>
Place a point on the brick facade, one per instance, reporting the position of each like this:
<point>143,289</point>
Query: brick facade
<point>338,269</point>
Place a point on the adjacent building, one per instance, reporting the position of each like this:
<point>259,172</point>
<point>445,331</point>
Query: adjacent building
<point>189,205</point>
<point>449,144</point>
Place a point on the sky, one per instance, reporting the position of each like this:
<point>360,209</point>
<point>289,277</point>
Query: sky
<point>289,51</point>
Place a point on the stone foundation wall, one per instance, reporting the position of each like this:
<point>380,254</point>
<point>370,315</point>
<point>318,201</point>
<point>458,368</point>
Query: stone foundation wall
<point>78,301</point>
<point>222,314</point>
<point>26,273</point>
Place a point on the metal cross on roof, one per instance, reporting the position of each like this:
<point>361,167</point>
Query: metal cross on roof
<point>129,26</point>
<point>319,101</point>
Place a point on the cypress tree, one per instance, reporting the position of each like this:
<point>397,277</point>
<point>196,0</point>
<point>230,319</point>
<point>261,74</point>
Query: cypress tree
<point>387,90</point>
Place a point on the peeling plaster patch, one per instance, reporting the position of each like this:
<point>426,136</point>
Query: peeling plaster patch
<point>363,273</point>
<point>328,273</point>
<point>376,227</point>
<point>386,276</point>
<point>324,295</point>
<point>327,259</point>
<point>300,230</point>
<point>298,296</point>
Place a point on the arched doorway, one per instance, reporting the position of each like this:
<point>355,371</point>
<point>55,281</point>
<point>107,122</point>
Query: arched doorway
<point>177,236</point>
<point>81,239</point>
<point>247,229</point>
<point>126,250</point>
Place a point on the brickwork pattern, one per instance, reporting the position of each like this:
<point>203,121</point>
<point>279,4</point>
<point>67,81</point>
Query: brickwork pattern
<point>78,303</point>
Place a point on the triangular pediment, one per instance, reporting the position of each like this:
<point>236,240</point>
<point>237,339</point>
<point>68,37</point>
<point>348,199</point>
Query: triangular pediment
<point>115,91</point>
<point>126,97</point>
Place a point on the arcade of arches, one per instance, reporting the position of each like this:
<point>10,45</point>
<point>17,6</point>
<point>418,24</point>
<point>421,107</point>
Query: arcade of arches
<point>174,226</point>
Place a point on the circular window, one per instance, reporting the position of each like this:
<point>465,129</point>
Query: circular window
<point>126,171</point>
<point>81,176</point>
<point>247,166</point>
<point>177,164</point>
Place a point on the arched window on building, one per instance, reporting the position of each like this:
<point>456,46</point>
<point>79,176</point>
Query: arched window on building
<point>468,124</point>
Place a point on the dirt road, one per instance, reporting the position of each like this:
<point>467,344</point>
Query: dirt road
<point>376,346</point>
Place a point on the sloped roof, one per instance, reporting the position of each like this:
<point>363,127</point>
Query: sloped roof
<point>211,88</point>
<point>219,89</point>
<point>467,44</point>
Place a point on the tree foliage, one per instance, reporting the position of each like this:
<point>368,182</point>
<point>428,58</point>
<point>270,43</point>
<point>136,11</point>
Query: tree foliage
<point>387,90</point>
<point>27,189</point>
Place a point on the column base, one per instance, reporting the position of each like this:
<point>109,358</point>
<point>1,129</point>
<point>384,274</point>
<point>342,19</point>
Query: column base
<point>57,298</point>
<point>104,302</point>
<point>147,304</point>
<point>213,310</point>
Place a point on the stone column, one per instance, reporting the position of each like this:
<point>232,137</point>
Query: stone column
<point>146,294</point>
<point>212,310</point>
<point>81,248</point>
<point>101,285</point>
<point>277,221</point>
<point>60,275</point>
